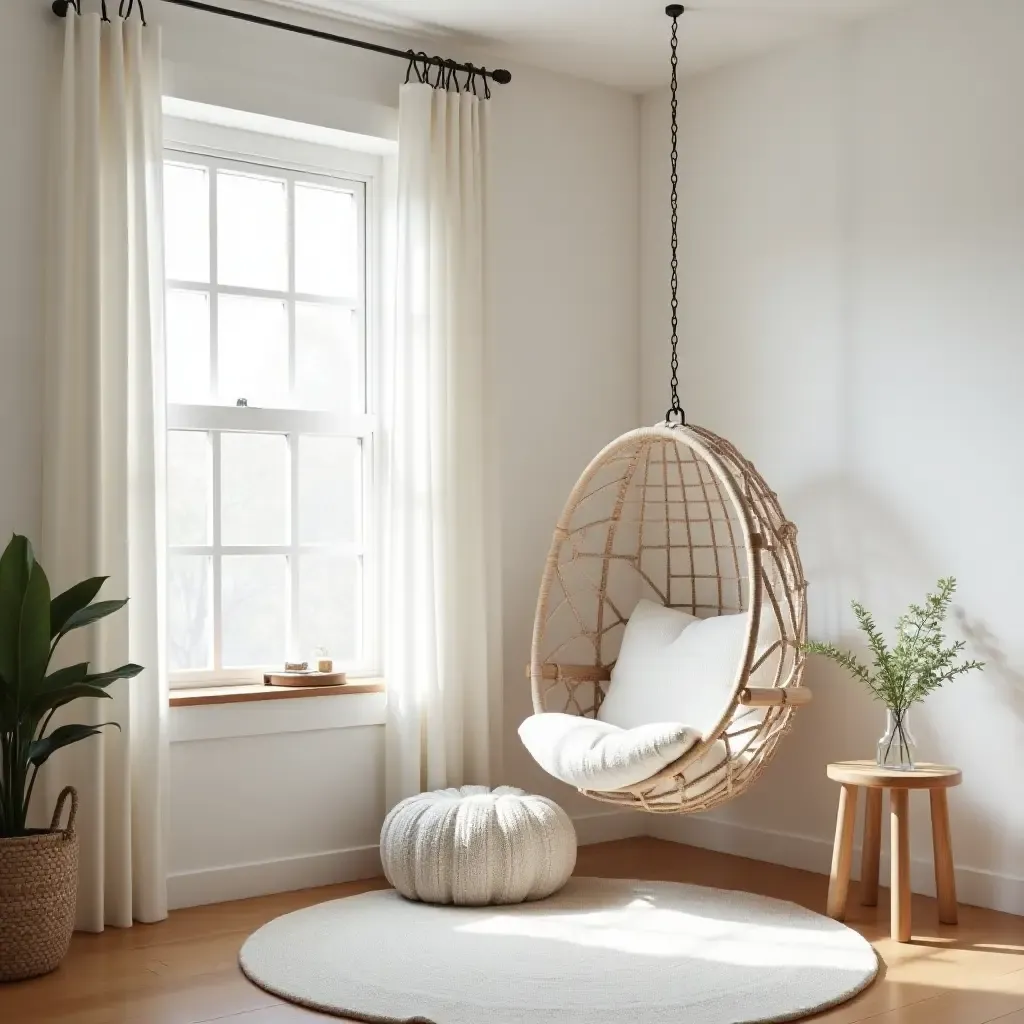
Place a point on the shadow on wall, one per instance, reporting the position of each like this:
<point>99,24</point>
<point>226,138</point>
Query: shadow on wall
<point>858,547</point>
<point>1006,679</point>
<point>986,825</point>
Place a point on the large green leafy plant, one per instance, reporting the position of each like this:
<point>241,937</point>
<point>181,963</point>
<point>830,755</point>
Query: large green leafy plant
<point>31,626</point>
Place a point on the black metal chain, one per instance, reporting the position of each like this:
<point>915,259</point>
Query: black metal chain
<point>675,409</point>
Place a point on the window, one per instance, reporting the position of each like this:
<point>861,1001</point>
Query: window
<point>270,437</point>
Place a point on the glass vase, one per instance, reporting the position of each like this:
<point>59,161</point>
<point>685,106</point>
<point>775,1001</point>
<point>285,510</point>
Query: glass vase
<point>897,748</point>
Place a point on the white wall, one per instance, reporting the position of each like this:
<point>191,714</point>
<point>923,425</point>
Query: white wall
<point>269,796</point>
<point>852,221</point>
<point>563,319</point>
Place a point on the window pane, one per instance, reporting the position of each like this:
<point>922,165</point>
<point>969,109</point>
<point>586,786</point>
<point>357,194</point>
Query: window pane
<point>189,613</point>
<point>326,241</point>
<point>254,596</point>
<point>252,231</point>
<point>330,491</point>
<point>329,605</point>
<point>189,487</point>
<point>188,347</point>
<point>254,489</point>
<point>252,351</point>
<point>186,223</point>
<point>328,374</point>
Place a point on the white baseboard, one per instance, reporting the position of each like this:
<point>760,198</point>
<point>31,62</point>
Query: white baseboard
<point>260,878</point>
<point>239,881</point>
<point>975,886</point>
<point>791,850</point>
<point>605,826</point>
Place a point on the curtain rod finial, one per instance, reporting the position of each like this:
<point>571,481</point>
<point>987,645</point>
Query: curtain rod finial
<point>501,76</point>
<point>674,10</point>
<point>60,7</point>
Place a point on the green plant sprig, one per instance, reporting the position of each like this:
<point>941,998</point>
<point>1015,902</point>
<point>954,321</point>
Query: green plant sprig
<point>920,662</point>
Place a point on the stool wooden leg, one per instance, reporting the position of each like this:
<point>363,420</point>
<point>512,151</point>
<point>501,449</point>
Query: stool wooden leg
<point>842,853</point>
<point>899,814</point>
<point>945,880</point>
<point>872,848</point>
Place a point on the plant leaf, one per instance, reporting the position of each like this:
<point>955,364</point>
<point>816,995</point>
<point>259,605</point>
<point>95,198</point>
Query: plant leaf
<point>62,677</point>
<point>15,569</point>
<point>68,684</point>
<point>54,682</point>
<point>39,751</point>
<point>74,599</point>
<point>90,614</point>
<point>67,695</point>
<point>34,631</point>
<point>106,678</point>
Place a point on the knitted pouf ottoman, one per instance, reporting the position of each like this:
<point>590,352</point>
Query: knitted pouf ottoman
<point>476,846</point>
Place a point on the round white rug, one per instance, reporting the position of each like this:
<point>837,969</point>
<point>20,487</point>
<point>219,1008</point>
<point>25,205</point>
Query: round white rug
<point>602,951</point>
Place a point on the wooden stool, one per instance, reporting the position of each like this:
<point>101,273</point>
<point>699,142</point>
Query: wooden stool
<point>936,778</point>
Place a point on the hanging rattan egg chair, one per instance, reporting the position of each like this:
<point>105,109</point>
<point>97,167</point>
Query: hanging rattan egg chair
<point>676,515</point>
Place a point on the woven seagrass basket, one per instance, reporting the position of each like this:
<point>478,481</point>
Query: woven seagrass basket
<point>38,889</point>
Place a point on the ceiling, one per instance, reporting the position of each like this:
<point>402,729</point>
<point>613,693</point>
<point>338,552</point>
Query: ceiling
<point>620,42</point>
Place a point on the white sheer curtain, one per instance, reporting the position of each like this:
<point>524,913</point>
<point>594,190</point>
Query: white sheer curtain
<point>441,615</point>
<point>103,501</point>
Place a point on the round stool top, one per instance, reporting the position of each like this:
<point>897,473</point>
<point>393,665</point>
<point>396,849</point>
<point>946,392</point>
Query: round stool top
<point>867,773</point>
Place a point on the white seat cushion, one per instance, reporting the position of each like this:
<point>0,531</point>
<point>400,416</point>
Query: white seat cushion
<point>673,666</point>
<point>591,754</point>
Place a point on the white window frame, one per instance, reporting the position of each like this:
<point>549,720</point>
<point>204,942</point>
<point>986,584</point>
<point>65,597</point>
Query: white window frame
<point>215,146</point>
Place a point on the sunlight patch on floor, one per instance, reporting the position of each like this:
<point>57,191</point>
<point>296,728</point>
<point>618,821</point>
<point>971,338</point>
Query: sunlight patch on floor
<point>642,929</point>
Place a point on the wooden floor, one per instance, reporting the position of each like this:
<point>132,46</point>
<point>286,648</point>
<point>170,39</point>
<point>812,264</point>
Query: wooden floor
<point>184,970</point>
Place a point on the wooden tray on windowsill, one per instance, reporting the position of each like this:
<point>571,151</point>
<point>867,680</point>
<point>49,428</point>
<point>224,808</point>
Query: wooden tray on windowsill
<point>304,679</point>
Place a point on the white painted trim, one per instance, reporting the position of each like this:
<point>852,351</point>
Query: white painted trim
<point>256,419</point>
<point>261,878</point>
<point>220,131</point>
<point>975,886</point>
<point>294,163</point>
<point>794,851</point>
<point>607,826</point>
<point>349,548</point>
<point>271,717</point>
<point>305,871</point>
<point>203,288</point>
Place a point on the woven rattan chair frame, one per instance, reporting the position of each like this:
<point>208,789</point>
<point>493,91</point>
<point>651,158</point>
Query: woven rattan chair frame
<point>676,514</point>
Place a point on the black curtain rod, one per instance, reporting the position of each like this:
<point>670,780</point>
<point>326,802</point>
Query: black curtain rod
<point>499,75</point>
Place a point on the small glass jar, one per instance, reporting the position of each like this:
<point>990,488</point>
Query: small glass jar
<point>897,748</point>
<point>323,660</point>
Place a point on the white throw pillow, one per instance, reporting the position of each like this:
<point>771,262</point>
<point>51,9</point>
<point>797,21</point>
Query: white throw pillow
<point>673,666</point>
<point>596,755</point>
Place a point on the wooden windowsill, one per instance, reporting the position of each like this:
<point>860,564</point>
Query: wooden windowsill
<point>202,695</point>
